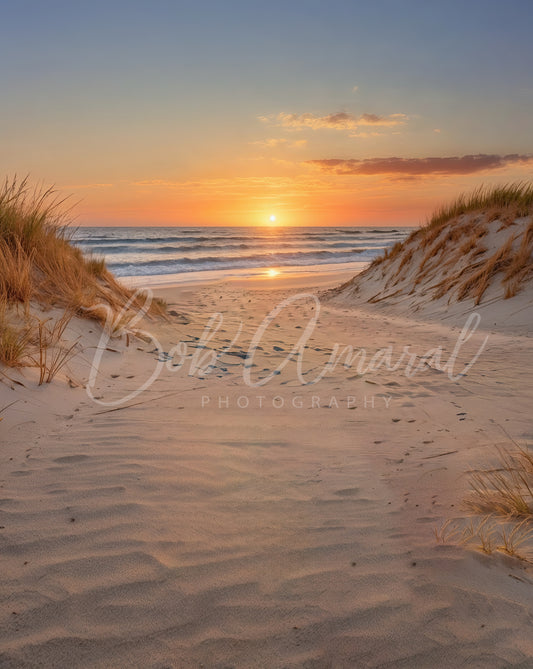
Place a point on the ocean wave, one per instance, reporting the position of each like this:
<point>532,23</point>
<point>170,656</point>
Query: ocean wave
<point>139,251</point>
<point>258,257</point>
<point>188,264</point>
<point>178,239</point>
<point>140,270</point>
<point>150,249</point>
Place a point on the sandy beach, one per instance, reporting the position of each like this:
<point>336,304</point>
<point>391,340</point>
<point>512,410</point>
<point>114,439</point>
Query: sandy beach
<point>266,335</point>
<point>209,521</point>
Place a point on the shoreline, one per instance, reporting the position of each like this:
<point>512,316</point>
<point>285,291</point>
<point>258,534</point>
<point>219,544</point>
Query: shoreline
<point>327,273</point>
<point>230,252</point>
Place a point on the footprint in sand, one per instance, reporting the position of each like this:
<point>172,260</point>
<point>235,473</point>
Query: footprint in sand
<point>71,459</point>
<point>347,492</point>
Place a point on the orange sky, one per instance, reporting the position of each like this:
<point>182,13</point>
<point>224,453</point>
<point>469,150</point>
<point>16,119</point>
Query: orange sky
<point>308,199</point>
<point>214,113</point>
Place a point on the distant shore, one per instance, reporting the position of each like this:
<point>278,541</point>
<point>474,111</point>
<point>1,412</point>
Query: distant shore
<point>271,276</point>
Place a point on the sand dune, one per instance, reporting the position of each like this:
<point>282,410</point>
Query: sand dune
<point>475,261</point>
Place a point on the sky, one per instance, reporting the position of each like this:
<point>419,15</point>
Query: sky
<point>227,113</point>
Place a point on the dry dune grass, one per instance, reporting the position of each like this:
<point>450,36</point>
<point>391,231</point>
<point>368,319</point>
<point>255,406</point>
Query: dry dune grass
<point>466,246</point>
<point>520,268</point>
<point>489,535</point>
<point>477,283</point>
<point>508,202</point>
<point>506,489</point>
<point>40,266</point>
<point>503,495</point>
<point>14,343</point>
<point>38,261</point>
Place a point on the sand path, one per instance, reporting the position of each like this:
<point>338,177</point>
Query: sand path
<point>169,534</point>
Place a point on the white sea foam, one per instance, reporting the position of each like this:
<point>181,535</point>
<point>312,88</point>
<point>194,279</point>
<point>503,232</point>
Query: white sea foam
<point>150,251</point>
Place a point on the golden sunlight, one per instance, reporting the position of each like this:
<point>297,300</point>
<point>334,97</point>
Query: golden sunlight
<point>272,218</point>
<point>272,272</point>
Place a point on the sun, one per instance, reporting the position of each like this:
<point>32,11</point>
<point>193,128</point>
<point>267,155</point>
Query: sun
<point>272,218</point>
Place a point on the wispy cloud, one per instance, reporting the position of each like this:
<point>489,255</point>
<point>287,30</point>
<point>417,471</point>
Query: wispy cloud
<point>336,121</point>
<point>244,186</point>
<point>275,142</point>
<point>87,186</point>
<point>420,166</point>
<point>158,182</point>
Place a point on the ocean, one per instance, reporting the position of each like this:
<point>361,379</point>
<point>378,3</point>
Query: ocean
<point>150,251</point>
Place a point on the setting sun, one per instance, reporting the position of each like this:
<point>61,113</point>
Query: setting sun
<point>272,218</point>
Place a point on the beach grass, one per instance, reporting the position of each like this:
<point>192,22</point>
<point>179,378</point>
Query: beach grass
<point>448,255</point>
<point>506,489</point>
<point>39,262</point>
<point>514,199</point>
<point>41,268</point>
<point>489,535</point>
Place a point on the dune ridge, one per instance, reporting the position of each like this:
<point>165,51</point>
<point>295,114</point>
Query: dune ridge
<point>475,252</point>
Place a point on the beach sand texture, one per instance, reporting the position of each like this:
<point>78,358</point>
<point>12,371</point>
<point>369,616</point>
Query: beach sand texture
<point>163,533</point>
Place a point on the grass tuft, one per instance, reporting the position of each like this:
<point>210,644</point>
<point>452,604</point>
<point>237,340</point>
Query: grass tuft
<point>39,265</point>
<point>489,535</point>
<point>503,494</point>
<point>505,490</point>
<point>515,537</point>
<point>14,344</point>
<point>52,353</point>
<point>483,532</point>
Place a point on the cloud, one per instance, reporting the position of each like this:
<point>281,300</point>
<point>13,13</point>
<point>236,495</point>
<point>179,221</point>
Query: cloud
<point>298,143</point>
<point>275,142</point>
<point>364,134</point>
<point>336,121</point>
<point>420,166</point>
<point>244,186</point>
<point>156,182</point>
<point>89,186</point>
